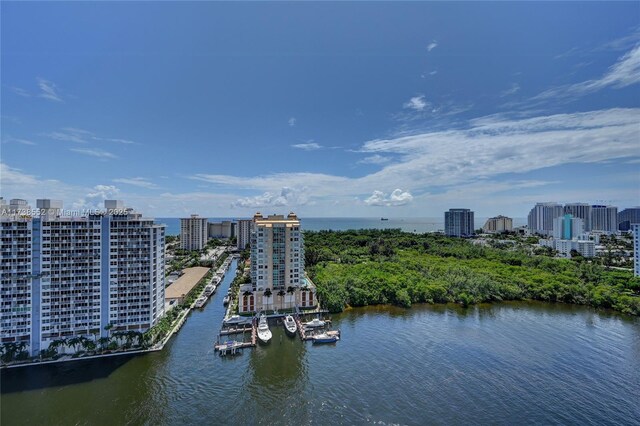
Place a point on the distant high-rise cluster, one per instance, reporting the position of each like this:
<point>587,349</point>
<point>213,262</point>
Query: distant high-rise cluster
<point>70,276</point>
<point>594,217</point>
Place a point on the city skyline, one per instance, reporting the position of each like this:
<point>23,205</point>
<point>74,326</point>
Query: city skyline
<point>323,109</point>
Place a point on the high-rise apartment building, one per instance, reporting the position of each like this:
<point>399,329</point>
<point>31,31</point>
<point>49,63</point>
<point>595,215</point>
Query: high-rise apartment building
<point>567,227</point>
<point>604,218</point>
<point>627,217</point>
<point>498,224</point>
<point>459,223</point>
<point>541,216</point>
<point>193,232</point>
<point>278,280</point>
<point>64,277</point>
<point>581,210</point>
<point>244,233</point>
<point>635,228</point>
<point>224,229</point>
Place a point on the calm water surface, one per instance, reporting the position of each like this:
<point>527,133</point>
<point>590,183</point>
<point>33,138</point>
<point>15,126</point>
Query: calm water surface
<point>512,363</point>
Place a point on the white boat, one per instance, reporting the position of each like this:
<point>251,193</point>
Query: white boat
<point>290,325</point>
<point>200,302</point>
<point>314,323</point>
<point>325,338</point>
<point>236,319</point>
<point>226,300</point>
<point>264,334</point>
<point>209,289</point>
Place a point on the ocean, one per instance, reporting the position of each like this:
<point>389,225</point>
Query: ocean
<point>407,224</point>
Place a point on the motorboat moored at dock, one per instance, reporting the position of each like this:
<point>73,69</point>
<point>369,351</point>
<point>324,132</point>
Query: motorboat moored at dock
<point>290,325</point>
<point>325,338</point>
<point>264,334</point>
<point>200,302</point>
<point>226,300</point>
<point>236,319</point>
<point>315,323</point>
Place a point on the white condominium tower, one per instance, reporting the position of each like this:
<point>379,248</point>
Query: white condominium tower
<point>541,216</point>
<point>193,232</point>
<point>604,218</point>
<point>635,228</point>
<point>64,277</point>
<point>278,280</point>
<point>244,233</point>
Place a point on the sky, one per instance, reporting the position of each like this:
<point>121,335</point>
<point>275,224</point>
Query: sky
<point>359,109</point>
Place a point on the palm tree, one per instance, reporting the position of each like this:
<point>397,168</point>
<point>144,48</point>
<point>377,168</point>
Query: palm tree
<point>57,343</point>
<point>108,328</point>
<point>282,293</point>
<point>290,290</point>
<point>103,342</point>
<point>75,341</point>
<point>268,293</point>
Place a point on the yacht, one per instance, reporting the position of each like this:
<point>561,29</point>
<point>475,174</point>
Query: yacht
<point>290,325</point>
<point>264,334</point>
<point>226,300</point>
<point>314,323</point>
<point>325,338</point>
<point>200,302</point>
<point>236,320</point>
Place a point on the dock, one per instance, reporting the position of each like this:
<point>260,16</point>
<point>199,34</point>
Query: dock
<point>234,347</point>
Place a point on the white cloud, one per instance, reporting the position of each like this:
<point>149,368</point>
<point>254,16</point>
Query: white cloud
<point>432,46</point>
<point>308,146</point>
<point>625,72</point>
<point>416,103</point>
<point>71,134</point>
<point>137,181</point>
<point>489,147</point>
<point>292,121</point>
<point>48,90</point>
<point>10,139</point>
<point>21,92</point>
<point>375,159</point>
<point>515,87</point>
<point>94,153</point>
<point>287,197</point>
<point>74,134</point>
<point>397,198</point>
<point>95,198</point>
<point>434,72</point>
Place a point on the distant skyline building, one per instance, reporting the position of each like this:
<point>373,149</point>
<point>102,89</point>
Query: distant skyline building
<point>459,223</point>
<point>224,229</point>
<point>581,210</point>
<point>65,277</point>
<point>193,232</point>
<point>635,228</point>
<point>627,217</point>
<point>244,228</point>
<point>567,227</point>
<point>541,216</point>
<point>278,279</point>
<point>498,224</point>
<point>604,218</point>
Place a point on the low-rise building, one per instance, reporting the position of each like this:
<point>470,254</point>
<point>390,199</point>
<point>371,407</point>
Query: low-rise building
<point>498,224</point>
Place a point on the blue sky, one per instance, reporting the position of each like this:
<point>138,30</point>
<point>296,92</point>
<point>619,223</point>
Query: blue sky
<point>327,109</point>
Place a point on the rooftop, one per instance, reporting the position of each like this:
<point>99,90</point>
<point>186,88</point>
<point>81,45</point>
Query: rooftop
<point>186,282</point>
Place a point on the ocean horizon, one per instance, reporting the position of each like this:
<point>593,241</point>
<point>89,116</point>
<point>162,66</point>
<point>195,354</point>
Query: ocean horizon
<point>407,224</point>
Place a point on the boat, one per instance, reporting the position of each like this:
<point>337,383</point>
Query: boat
<point>209,289</point>
<point>236,319</point>
<point>325,338</point>
<point>314,323</point>
<point>384,218</point>
<point>226,300</point>
<point>290,325</point>
<point>200,302</point>
<point>264,334</point>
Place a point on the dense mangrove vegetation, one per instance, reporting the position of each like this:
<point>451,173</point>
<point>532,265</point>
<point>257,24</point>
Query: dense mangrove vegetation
<point>368,267</point>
